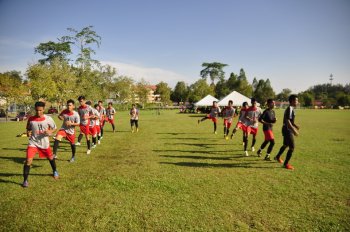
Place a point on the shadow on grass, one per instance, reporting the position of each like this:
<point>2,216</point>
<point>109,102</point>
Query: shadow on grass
<point>10,182</point>
<point>20,174</point>
<point>14,149</point>
<point>198,139</point>
<point>208,165</point>
<point>179,133</point>
<point>196,157</point>
<point>199,152</point>
<point>20,160</point>
<point>197,116</point>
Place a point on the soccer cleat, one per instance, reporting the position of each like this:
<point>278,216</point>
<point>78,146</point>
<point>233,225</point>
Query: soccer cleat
<point>55,156</point>
<point>77,144</point>
<point>72,160</point>
<point>288,166</point>
<point>215,132</point>
<point>253,149</point>
<point>137,129</point>
<point>267,158</point>
<point>101,137</point>
<point>93,146</point>
<point>55,175</point>
<point>246,153</point>
<point>132,131</point>
<point>25,184</point>
<point>279,160</point>
<point>98,142</point>
<point>88,152</point>
<point>259,153</point>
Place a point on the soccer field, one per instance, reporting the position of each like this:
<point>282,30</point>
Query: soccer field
<point>175,175</point>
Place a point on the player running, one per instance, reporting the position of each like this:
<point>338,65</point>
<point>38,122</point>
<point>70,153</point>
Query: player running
<point>85,112</point>
<point>252,115</point>
<point>289,130</point>
<point>213,115</point>
<point>242,121</point>
<point>228,113</point>
<point>110,111</point>
<point>268,118</point>
<point>134,119</point>
<point>102,112</point>
<point>39,128</point>
<point>94,117</point>
<point>70,120</point>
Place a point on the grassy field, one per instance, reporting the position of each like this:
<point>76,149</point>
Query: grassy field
<point>175,175</point>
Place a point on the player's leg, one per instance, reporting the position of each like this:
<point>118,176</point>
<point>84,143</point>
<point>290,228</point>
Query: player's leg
<point>137,125</point>
<point>215,128</point>
<point>290,152</point>
<point>56,143</point>
<point>31,151</point>
<point>53,166</point>
<point>263,145</point>
<point>269,149</point>
<point>253,141</point>
<point>282,149</point>
<point>132,125</point>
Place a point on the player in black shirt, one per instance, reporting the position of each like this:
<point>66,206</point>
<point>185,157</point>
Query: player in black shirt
<point>289,130</point>
<point>268,118</point>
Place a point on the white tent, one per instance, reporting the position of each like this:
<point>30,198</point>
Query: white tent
<point>236,97</point>
<point>206,101</point>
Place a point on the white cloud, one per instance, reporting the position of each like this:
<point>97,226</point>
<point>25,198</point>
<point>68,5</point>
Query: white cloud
<point>10,42</point>
<point>150,74</point>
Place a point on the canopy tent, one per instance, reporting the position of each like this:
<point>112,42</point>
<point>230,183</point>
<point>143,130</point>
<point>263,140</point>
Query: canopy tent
<point>237,99</point>
<point>206,101</point>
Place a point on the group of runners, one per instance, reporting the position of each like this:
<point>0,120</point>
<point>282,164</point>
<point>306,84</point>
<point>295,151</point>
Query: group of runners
<point>248,121</point>
<point>90,119</point>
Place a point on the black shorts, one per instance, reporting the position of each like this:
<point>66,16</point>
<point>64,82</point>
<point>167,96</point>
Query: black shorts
<point>288,138</point>
<point>134,122</point>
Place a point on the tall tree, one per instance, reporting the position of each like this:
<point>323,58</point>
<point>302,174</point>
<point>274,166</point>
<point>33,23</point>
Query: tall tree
<point>164,91</point>
<point>123,86</point>
<point>200,89</point>
<point>221,88</point>
<point>52,50</point>
<point>284,94</point>
<point>244,87</point>
<point>263,91</point>
<point>180,93</point>
<point>142,91</point>
<point>213,71</point>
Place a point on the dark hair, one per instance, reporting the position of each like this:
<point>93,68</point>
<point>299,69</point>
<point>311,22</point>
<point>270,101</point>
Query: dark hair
<point>133,105</point>
<point>100,101</point>
<point>269,101</point>
<point>95,105</point>
<point>110,103</point>
<point>245,104</point>
<point>70,101</point>
<point>252,100</point>
<point>81,98</point>
<point>215,102</point>
<point>88,103</point>
<point>39,104</point>
<point>292,98</point>
<point>230,101</point>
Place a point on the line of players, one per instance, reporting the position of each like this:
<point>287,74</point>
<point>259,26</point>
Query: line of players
<point>90,119</point>
<point>248,122</point>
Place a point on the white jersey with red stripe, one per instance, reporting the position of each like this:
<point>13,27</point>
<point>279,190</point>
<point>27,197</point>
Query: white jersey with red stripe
<point>110,112</point>
<point>214,112</point>
<point>134,114</point>
<point>38,127</point>
<point>228,112</point>
<point>84,113</point>
<point>253,113</point>
<point>95,121</point>
<point>102,112</point>
<point>69,116</point>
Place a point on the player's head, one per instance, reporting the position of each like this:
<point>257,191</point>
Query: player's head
<point>245,105</point>
<point>88,103</point>
<point>110,104</point>
<point>39,108</point>
<point>215,103</point>
<point>100,103</point>
<point>253,101</point>
<point>81,100</point>
<point>96,105</point>
<point>293,100</point>
<point>270,103</point>
<point>230,103</point>
<point>70,104</point>
<point>133,105</point>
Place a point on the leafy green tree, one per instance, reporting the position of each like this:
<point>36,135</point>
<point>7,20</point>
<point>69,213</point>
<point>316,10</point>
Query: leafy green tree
<point>284,94</point>
<point>243,85</point>
<point>200,89</point>
<point>263,91</point>
<point>142,91</point>
<point>52,50</point>
<point>221,88</point>
<point>123,87</point>
<point>213,70</point>
<point>164,91</point>
<point>306,98</point>
<point>180,93</point>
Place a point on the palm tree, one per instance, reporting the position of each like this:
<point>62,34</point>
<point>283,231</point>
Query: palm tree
<point>213,70</point>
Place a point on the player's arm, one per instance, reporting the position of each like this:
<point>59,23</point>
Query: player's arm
<point>291,126</point>
<point>29,129</point>
<point>52,128</point>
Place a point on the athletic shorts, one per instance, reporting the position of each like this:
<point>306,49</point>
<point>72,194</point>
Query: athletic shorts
<point>268,135</point>
<point>110,120</point>
<point>69,137</point>
<point>227,123</point>
<point>93,130</point>
<point>102,122</point>
<point>213,119</point>
<point>43,153</point>
<point>241,126</point>
<point>288,139</point>
<point>98,129</point>
<point>84,129</point>
<point>251,130</point>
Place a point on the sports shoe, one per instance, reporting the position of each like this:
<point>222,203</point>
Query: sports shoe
<point>25,184</point>
<point>253,149</point>
<point>267,158</point>
<point>279,160</point>
<point>215,132</point>
<point>132,131</point>
<point>77,144</point>
<point>88,152</point>
<point>232,136</point>
<point>72,160</point>
<point>55,156</point>
<point>93,146</point>
<point>288,166</point>
<point>137,129</point>
<point>55,175</point>
<point>101,137</point>
<point>98,142</point>
<point>259,153</point>
<point>246,153</point>
<point>226,137</point>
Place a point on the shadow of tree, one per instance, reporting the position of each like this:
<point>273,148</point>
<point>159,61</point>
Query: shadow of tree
<point>209,165</point>
<point>197,157</point>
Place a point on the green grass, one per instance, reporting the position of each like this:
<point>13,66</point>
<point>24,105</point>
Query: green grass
<point>177,176</point>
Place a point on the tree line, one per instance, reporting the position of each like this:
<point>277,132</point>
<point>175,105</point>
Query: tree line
<point>68,69</point>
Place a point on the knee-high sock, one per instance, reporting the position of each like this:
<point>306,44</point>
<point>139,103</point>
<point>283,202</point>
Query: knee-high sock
<point>253,142</point>
<point>88,144</point>
<point>113,127</point>
<point>53,164</point>
<point>263,145</point>
<point>245,140</point>
<point>225,130</point>
<point>269,149</point>
<point>94,140</point>
<point>26,169</point>
<point>80,137</point>
<point>281,151</point>
<point>72,146</point>
<point>102,131</point>
<point>55,146</point>
<point>214,126</point>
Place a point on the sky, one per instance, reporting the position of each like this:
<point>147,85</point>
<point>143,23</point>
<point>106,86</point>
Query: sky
<point>294,43</point>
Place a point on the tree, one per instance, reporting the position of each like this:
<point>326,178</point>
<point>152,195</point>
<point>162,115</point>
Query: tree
<point>263,91</point>
<point>306,98</point>
<point>84,40</point>
<point>142,91</point>
<point>221,88</point>
<point>52,50</point>
<point>200,89</point>
<point>284,94</point>
<point>180,93</point>
<point>123,87</point>
<point>164,91</point>
<point>243,85</point>
<point>213,70</point>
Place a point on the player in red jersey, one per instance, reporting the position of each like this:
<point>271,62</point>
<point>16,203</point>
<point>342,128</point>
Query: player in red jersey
<point>213,115</point>
<point>70,120</point>
<point>102,112</point>
<point>85,112</point>
<point>110,111</point>
<point>39,128</point>
<point>252,115</point>
<point>228,113</point>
